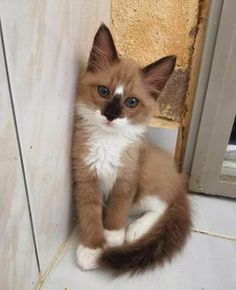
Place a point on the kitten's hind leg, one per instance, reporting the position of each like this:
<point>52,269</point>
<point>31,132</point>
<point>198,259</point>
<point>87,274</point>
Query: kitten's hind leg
<point>151,208</point>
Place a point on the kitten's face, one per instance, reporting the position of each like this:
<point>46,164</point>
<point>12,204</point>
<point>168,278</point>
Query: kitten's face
<point>117,90</point>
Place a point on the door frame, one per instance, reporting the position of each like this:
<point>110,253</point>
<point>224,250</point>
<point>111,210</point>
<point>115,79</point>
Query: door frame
<point>204,73</point>
<point>217,117</point>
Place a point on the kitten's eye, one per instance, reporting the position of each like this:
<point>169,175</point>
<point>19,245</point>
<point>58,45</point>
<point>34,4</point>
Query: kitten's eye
<point>131,102</point>
<point>103,91</point>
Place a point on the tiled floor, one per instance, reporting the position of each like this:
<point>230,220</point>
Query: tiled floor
<point>208,262</point>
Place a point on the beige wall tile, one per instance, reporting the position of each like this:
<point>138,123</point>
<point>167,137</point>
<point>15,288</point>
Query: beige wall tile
<point>18,262</point>
<point>45,40</point>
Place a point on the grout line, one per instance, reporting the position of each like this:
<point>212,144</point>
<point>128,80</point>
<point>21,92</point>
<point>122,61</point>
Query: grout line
<point>221,236</point>
<point>54,261</point>
<point>19,145</point>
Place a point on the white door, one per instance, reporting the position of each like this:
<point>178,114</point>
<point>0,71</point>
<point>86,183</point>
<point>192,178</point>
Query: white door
<point>214,165</point>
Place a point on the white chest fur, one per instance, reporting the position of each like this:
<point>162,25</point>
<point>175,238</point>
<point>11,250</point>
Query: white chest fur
<point>105,157</point>
<point>107,144</point>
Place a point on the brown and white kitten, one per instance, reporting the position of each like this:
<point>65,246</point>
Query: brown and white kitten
<point>117,170</point>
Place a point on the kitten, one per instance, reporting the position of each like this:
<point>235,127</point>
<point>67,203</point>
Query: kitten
<point>117,170</point>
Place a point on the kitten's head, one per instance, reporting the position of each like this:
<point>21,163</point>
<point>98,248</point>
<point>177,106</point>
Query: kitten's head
<point>117,90</point>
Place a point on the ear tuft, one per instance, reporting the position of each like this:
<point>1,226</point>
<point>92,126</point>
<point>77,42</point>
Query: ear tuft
<point>157,73</point>
<point>103,49</point>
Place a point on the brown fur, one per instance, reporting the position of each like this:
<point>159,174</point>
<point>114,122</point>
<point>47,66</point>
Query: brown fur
<point>146,169</point>
<point>168,236</point>
<point>125,72</point>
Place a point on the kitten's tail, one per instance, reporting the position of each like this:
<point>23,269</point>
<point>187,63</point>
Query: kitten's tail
<point>166,238</point>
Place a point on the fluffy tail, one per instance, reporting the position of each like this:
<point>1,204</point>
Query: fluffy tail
<point>166,238</point>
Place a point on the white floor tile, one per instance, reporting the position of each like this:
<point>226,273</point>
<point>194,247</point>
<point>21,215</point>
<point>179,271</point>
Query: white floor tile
<point>215,214</point>
<point>207,263</point>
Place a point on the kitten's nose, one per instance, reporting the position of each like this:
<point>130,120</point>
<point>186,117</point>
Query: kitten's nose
<point>113,110</point>
<point>110,116</point>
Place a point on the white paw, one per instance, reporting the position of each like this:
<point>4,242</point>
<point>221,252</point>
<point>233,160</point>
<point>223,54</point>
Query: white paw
<point>114,238</point>
<point>141,226</point>
<point>135,231</point>
<point>87,258</point>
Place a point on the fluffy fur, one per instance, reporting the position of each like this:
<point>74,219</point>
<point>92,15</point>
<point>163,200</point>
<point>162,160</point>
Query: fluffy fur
<point>105,153</point>
<point>117,170</point>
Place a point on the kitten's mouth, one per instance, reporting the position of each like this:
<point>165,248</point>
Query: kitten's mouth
<point>109,123</point>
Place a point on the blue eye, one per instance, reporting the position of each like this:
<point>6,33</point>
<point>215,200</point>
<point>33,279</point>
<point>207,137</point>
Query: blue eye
<point>103,91</point>
<point>131,102</point>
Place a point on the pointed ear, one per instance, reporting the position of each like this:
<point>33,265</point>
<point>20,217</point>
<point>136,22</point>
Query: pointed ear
<point>157,74</point>
<point>103,49</point>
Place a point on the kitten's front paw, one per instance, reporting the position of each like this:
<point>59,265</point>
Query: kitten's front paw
<point>87,258</point>
<point>115,237</point>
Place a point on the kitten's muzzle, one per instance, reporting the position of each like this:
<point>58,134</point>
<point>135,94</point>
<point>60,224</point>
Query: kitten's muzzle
<point>113,110</point>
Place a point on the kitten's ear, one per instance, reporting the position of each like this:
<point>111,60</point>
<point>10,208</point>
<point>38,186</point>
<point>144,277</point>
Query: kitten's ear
<point>157,73</point>
<point>103,49</point>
